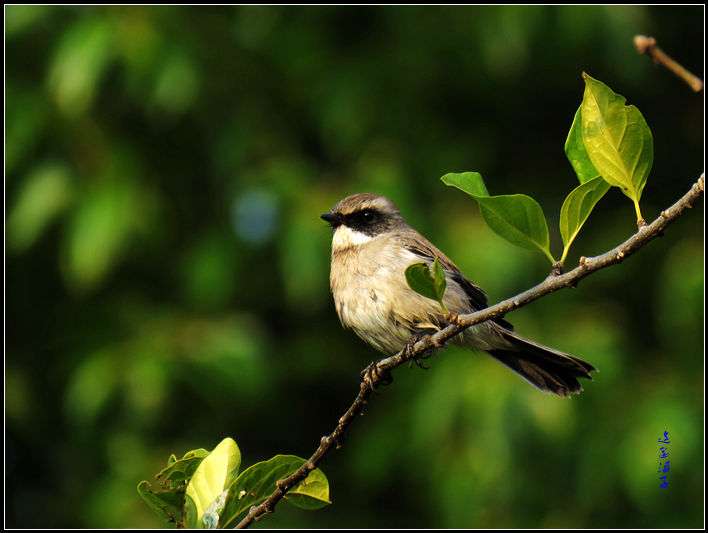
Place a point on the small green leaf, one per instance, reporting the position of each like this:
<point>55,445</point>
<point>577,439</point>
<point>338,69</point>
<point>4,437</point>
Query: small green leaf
<point>420,280</point>
<point>576,153</point>
<point>470,182</point>
<point>439,281</point>
<point>577,208</point>
<point>182,469</point>
<point>195,454</point>
<point>428,280</point>
<point>617,139</point>
<point>167,504</point>
<point>516,217</point>
<point>213,475</point>
<point>258,482</point>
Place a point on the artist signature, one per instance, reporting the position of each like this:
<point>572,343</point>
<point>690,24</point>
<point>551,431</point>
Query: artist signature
<point>663,454</point>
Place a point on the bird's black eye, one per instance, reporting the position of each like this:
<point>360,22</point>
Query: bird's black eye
<point>366,218</point>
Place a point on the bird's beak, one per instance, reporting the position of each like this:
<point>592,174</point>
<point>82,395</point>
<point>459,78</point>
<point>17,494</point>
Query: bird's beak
<point>332,218</point>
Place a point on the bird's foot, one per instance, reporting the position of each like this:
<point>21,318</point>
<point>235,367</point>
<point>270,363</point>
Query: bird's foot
<point>453,318</point>
<point>417,358</point>
<point>372,376</point>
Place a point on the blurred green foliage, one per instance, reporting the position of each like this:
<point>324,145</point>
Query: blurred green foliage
<point>167,272</point>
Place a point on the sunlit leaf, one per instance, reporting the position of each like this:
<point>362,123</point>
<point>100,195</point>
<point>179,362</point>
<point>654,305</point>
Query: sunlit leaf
<point>577,154</point>
<point>45,193</point>
<point>80,61</point>
<point>617,139</point>
<point>577,208</point>
<point>99,230</point>
<point>210,520</point>
<point>257,482</point>
<point>310,494</point>
<point>214,475</point>
<point>516,217</point>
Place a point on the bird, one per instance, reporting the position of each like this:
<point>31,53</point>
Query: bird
<point>372,245</point>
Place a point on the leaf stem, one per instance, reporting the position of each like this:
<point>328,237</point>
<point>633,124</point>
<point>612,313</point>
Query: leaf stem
<point>640,219</point>
<point>549,256</point>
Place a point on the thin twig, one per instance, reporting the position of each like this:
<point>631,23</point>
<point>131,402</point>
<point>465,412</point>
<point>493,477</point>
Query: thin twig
<point>647,45</point>
<point>379,371</point>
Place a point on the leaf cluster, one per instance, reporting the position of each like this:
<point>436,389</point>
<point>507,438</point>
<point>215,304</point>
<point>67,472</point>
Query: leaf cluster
<point>206,490</point>
<point>609,145</point>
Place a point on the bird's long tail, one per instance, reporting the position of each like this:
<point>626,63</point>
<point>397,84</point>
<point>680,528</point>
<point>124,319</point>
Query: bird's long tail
<point>543,367</point>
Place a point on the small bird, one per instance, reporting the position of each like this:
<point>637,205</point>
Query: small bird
<point>372,245</point>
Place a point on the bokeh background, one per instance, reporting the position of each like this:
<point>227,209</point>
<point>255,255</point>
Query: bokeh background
<point>167,272</point>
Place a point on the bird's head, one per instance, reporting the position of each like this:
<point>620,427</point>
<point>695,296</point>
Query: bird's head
<point>360,218</point>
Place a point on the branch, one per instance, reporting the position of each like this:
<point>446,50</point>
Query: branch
<point>647,45</point>
<point>378,372</point>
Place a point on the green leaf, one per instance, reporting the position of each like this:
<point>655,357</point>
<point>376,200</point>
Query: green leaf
<point>178,470</point>
<point>101,226</point>
<point>19,19</point>
<point>107,219</point>
<point>516,217</point>
<point>213,475</point>
<point>190,513</point>
<point>470,182</point>
<point>439,281</point>
<point>81,58</point>
<point>617,139</point>
<point>577,208</point>
<point>167,504</point>
<point>45,192</point>
<point>258,482</point>
<point>92,385</point>
<point>576,153</point>
<point>428,280</point>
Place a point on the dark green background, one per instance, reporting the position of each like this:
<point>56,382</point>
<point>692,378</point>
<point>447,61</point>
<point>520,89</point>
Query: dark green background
<point>167,272</point>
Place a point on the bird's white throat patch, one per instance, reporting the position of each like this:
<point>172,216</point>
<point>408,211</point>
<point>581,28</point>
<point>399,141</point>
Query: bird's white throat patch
<point>345,237</point>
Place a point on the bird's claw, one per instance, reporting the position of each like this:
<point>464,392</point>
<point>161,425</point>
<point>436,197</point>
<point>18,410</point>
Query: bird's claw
<point>453,318</point>
<point>409,351</point>
<point>372,376</point>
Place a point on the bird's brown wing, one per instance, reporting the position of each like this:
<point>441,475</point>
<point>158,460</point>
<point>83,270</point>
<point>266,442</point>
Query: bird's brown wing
<point>422,247</point>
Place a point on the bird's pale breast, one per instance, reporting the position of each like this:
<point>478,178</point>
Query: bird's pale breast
<point>373,299</point>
